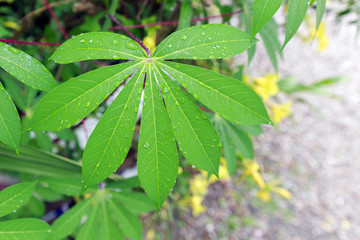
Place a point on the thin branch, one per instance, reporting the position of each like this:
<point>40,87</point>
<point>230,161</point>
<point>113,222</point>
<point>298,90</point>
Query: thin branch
<point>113,18</point>
<point>49,8</point>
<point>174,22</point>
<point>30,43</point>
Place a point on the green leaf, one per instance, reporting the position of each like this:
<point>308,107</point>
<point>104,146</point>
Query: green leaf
<point>70,220</point>
<point>134,201</point>
<point>10,128</point>
<point>15,91</point>
<point>108,229</point>
<point>296,13</point>
<point>110,142</point>
<point>24,229</point>
<point>204,42</point>
<point>129,223</point>
<point>44,141</point>
<point>75,99</point>
<point>242,141</point>
<point>69,186</point>
<point>15,196</point>
<point>185,15</point>
<point>224,95</point>
<point>90,229</point>
<point>37,162</point>
<point>158,161</point>
<point>229,149</point>
<point>25,68</point>
<point>320,9</point>
<point>97,45</point>
<point>263,10</point>
<point>269,34</point>
<point>195,135</point>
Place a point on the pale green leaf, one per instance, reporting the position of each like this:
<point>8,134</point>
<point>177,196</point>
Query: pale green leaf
<point>134,201</point>
<point>70,220</point>
<point>90,229</point>
<point>242,141</point>
<point>320,9</point>
<point>204,42</point>
<point>25,68</point>
<point>75,99</point>
<point>24,229</point>
<point>97,45</point>
<point>110,142</point>
<point>224,95</point>
<point>10,128</point>
<point>263,10</point>
<point>269,35</point>
<point>296,13</point>
<point>185,15</point>
<point>229,149</point>
<point>195,135</point>
<point>15,196</point>
<point>69,186</point>
<point>108,230</point>
<point>157,161</point>
<point>129,223</point>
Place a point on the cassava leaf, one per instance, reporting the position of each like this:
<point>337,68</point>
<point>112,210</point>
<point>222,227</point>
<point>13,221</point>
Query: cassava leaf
<point>296,13</point>
<point>195,135</point>
<point>25,68</point>
<point>127,221</point>
<point>108,229</point>
<point>110,142</point>
<point>185,15</point>
<point>15,196</point>
<point>134,201</point>
<point>73,100</point>
<point>224,95</point>
<point>320,9</point>
<point>229,149</point>
<point>10,128</point>
<point>269,35</point>
<point>242,141</point>
<point>24,229</point>
<point>157,155</point>
<point>204,42</point>
<point>70,220</point>
<point>97,45</point>
<point>90,229</point>
<point>263,10</point>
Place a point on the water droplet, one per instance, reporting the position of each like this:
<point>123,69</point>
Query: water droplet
<point>203,26</point>
<point>115,42</point>
<point>98,165</point>
<point>193,166</point>
<point>90,41</point>
<point>13,50</point>
<point>204,117</point>
<point>136,109</point>
<point>170,45</point>
<point>88,104</point>
<point>146,145</point>
<point>183,37</point>
<point>166,89</point>
<point>131,46</point>
<point>82,40</point>
<point>115,56</point>
<point>202,34</point>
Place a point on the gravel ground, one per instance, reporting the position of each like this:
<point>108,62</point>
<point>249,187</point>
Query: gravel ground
<point>315,154</point>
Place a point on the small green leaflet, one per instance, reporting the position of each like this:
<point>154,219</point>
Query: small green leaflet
<point>185,15</point>
<point>204,42</point>
<point>196,137</point>
<point>10,128</point>
<point>31,72</point>
<point>296,13</point>
<point>242,141</point>
<point>158,162</point>
<point>15,196</point>
<point>263,10</point>
<point>24,229</point>
<point>73,100</point>
<point>98,45</point>
<point>320,9</point>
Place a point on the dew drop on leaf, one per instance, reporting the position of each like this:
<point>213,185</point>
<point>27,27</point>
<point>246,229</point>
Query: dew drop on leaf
<point>183,37</point>
<point>170,45</point>
<point>146,145</point>
<point>131,46</point>
<point>98,165</point>
<point>82,40</point>
<point>88,104</point>
<point>203,26</point>
<point>115,42</point>
<point>90,41</point>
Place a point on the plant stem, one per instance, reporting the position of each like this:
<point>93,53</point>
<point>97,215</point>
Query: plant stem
<point>49,8</point>
<point>120,26</point>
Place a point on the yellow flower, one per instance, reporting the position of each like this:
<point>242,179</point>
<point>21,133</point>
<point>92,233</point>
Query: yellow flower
<point>12,25</point>
<point>199,184</point>
<point>252,170</point>
<point>223,172</point>
<point>282,192</point>
<point>320,35</point>
<point>264,86</point>
<point>264,195</point>
<point>150,234</point>
<point>196,205</point>
<point>149,40</point>
<point>279,112</point>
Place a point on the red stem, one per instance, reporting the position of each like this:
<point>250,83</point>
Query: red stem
<point>130,34</point>
<point>49,8</point>
<point>30,43</point>
<point>174,22</point>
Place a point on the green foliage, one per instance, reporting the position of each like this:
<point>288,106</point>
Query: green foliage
<point>263,10</point>
<point>26,228</point>
<point>320,9</point>
<point>15,196</point>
